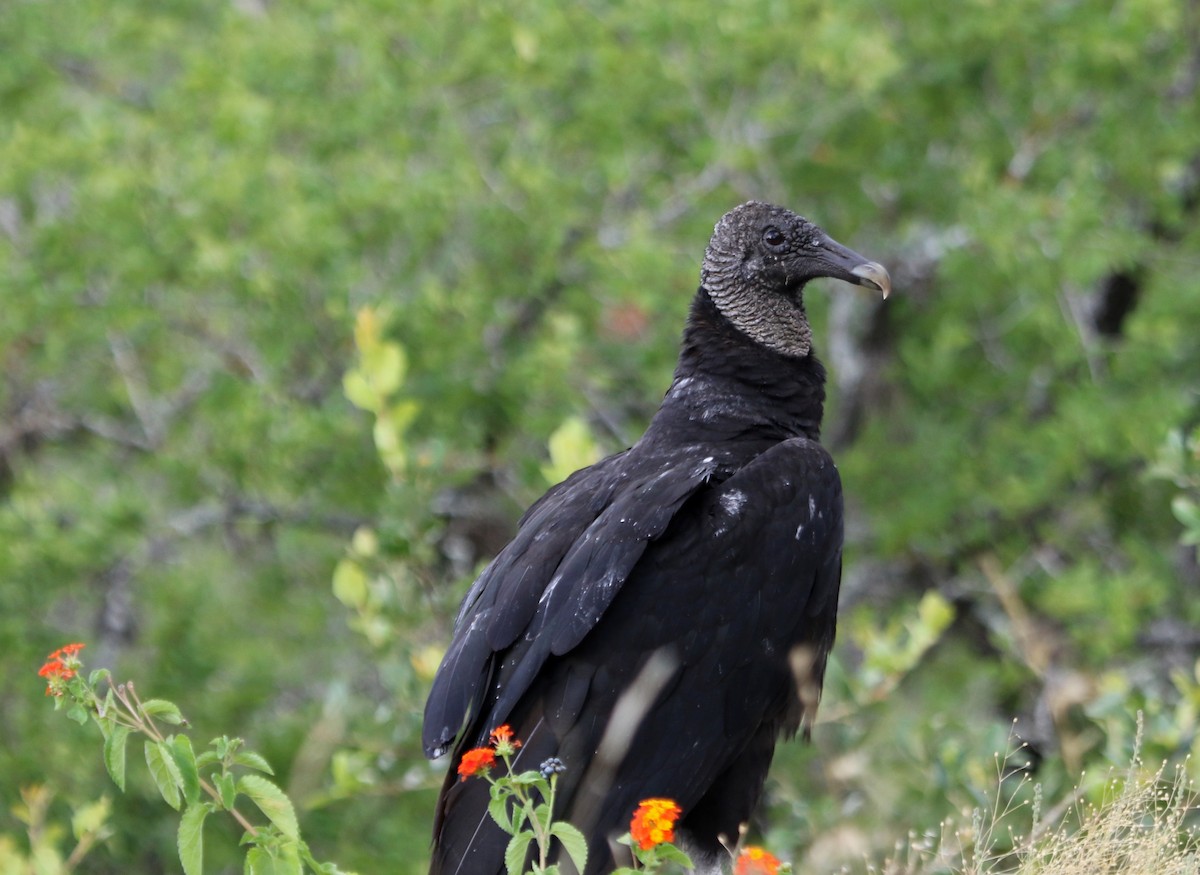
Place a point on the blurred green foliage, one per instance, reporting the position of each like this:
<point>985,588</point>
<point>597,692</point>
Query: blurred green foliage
<point>293,298</point>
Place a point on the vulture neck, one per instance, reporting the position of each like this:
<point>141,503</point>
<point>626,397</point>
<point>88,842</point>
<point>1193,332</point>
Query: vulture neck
<point>727,386</point>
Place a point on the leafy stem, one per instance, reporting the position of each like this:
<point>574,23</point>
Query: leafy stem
<point>177,769</point>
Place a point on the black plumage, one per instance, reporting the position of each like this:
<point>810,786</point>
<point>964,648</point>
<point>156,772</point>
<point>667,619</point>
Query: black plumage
<point>662,617</point>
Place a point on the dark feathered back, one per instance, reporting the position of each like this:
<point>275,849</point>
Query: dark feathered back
<point>662,617</point>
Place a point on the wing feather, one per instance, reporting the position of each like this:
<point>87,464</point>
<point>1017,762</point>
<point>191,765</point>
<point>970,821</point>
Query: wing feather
<point>723,566</point>
<point>551,584</point>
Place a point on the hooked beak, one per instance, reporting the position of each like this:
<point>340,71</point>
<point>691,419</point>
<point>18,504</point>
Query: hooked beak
<point>873,275</point>
<point>845,264</point>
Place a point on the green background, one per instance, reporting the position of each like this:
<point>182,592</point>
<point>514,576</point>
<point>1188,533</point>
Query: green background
<point>301,303</point>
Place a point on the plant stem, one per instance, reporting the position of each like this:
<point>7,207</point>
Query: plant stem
<point>237,815</point>
<point>144,723</point>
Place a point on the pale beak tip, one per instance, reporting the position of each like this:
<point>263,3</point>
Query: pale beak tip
<point>874,275</point>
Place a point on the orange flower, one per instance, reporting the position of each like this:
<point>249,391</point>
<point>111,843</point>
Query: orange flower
<point>756,861</point>
<point>502,734</point>
<point>56,675</point>
<point>476,761</point>
<point>59,668</point>
<point>503,741</point>
<point>654,822</point>
<point>66,651</point>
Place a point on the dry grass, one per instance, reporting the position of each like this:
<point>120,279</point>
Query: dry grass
<point>1141,827</point>
<point>1145,824</point>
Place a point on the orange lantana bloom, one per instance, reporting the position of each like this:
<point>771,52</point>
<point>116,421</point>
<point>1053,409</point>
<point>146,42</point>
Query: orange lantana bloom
<point>66,651</point>
<point>56,675</point>
<point>501,733</point>
<point>59,668</point>
<point>55,669</point>
<point>503,741</point>
<point>476,761</point>
<point>654,822</point>
<point>756,861</point>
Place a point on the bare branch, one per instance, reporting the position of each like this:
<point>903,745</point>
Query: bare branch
<point>136,388</point>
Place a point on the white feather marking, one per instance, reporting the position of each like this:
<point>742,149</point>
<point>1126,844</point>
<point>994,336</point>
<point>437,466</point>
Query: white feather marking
<point>733,501</point>
<point>550,589</point>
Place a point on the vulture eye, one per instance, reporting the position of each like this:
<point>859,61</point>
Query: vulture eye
<point>773,237</point>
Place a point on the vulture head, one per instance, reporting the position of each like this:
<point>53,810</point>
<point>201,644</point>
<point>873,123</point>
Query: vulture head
<point>757,263</point>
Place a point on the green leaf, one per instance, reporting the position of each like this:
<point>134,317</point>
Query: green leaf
<point>359,391</point>
<point>97,676</point>
<point>207,758</point>
<point>514,854</point>
<point>385,366</point>
<point>530,778</point>
<point>310,861</point>
<point>402,414</point>
<point>226,785</point>
<point>672,854</point>
<point>1188,513</point>
<point>313,863</point>
<point>88,819</point>
<point>251,760</point>
<point>191,838</point>
<point>388,438</point>
<point>365,542</point>
<point>573,843</point>
<point>185,760</point>
<point>109,708</point>
<point>498,809</point>
<point>165,711</point>
<point>350,584</point>
<point>260,861</point>
<point>273,802</point>
<point>164,771</point>
<point>78,713</point>
<point>114,755</point>
<point>935,613</point>
<point>571,447</point>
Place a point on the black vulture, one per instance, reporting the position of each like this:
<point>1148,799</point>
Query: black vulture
<point>663,616</point>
